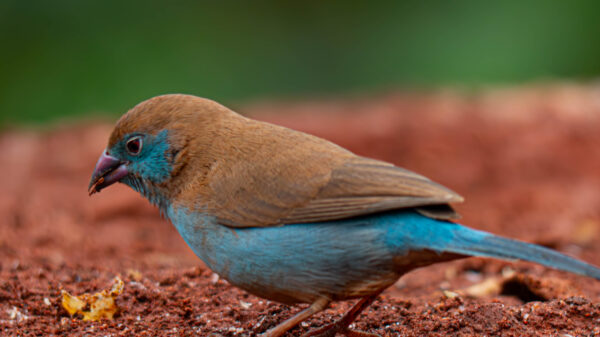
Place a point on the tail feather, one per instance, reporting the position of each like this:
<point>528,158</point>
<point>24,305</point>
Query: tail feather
<point>472,242</point>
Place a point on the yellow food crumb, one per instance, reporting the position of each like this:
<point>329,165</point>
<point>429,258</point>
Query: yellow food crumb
<point>94,307</point>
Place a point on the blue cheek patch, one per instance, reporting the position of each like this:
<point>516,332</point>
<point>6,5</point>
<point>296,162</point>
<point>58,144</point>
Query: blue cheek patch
<point>153,163</point>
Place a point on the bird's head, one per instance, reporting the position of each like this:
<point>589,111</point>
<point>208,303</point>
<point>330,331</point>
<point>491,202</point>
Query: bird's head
<point>149,145</point>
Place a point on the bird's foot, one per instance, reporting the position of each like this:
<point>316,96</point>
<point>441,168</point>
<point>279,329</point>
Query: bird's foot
<point>330,330</point>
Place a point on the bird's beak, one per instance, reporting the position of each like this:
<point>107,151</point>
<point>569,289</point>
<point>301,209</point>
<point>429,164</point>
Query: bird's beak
<point>108,171</point>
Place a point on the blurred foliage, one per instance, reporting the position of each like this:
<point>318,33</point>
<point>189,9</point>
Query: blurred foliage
<point>65,58</point>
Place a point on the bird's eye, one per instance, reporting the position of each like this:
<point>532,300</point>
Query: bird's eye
<point>134,145</point>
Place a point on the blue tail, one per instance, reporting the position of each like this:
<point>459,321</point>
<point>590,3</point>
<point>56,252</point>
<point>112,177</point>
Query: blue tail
<point>472,242</point>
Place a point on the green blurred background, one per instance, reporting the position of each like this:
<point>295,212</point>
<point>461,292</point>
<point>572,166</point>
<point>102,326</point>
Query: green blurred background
<point>61,58</point>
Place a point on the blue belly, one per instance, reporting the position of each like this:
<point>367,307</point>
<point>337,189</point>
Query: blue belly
<point>302,262</point>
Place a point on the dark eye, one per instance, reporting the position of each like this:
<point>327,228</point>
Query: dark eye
<point>134,145</point>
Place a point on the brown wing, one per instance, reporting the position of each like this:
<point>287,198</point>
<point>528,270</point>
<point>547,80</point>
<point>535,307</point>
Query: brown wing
<point>267,175</point>
<point>357,186</point>
<point>363,186</point>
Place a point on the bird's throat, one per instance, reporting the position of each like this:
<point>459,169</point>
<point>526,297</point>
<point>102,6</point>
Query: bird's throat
<point>149,191</point>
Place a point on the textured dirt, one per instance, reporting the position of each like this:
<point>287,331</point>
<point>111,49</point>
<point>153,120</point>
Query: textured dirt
<point>527,160</point>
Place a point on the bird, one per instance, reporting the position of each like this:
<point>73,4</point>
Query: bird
<point>291,217</point>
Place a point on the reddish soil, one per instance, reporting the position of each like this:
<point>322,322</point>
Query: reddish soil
<point>526,160</point>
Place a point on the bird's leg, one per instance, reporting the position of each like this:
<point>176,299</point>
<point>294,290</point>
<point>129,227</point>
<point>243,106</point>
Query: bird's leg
<point>341,325</point>
<point>318,306</point>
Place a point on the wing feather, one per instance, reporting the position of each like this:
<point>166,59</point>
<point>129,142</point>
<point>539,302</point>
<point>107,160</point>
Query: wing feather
<point>265,175</point>
<point>360,186</point>
<point>364,186</point>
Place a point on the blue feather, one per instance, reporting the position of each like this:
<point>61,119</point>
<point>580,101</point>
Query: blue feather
<point>151,167</point>
<point>344,258</point>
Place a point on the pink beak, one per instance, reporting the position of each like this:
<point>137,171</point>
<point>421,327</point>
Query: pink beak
<point>108,171</point>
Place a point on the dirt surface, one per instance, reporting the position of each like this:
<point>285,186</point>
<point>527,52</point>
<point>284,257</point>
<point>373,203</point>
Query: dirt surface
<point>527,160</point>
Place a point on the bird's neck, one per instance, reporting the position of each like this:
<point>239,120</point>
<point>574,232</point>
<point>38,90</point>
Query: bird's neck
<point>150,191</point>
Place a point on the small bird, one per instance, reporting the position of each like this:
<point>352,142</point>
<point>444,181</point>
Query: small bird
<point>288,216</point>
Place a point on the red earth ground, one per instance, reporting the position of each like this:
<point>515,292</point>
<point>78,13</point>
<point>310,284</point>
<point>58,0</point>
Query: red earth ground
<point>527,160</point>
